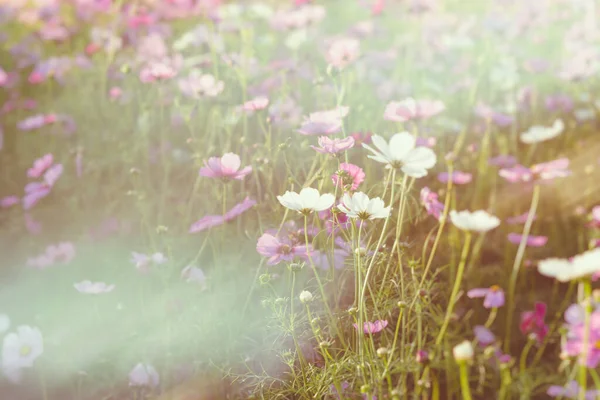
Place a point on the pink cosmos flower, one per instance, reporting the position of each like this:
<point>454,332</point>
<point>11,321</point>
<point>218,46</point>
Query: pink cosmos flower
<point>571,391</point>
<point>372,327</point>
<point>158,71</point>
<point>277,250</point>
<point>228,166</point>
<point>431,203</point>
<point>532,241</point>
<point>575,345</point>
<point>333,146</point>
<point>487,113</point>
<point>559,102</point>
<point>520,219</point>
<point>40,166</point>
<point>409,109</point>
<point>258,103</point>
<point>89,287</point>
<point>343,52</point>
<point>504,161</point>
<point>348,177</point>
<point>9,201</point>
<point>483,335</point>
<point>211,221</point>
<point>458,177</point>
<point>3,77</point>
<point>426,141</point>
<point>197,85</point>
<point>324,122</point>
<point>541,172</point>
<point>493,296</point>
<point>532,322</point>
<point>361,137</point>
<point>63,252</point>
<point>115,92</point>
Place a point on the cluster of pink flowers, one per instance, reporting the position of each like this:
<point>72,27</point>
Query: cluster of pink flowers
<point>61,253</point>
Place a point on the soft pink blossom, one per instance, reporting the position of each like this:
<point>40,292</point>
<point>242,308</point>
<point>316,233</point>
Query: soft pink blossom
<point>343,52</point>
<point>493,296</point>
<point>9,201</point>
<point>227,166</point>
<point>531,241</point>
<point>258,103</point>
<point>409,109</point>
<point>277,251</point>
<point>324,122</point>
<point>333,146</point>
<point>519,219</point>
<point>349,176</point>
<point>211,221</point>
<point>372,327</point>
<point>431,203</point>
<point>40,166</point>
<point>458,177</point>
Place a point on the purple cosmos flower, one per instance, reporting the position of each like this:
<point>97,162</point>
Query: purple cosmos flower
<point>33,122</point>
<point>431,203</point>
<point>559,102</point>
<point>195,275</point>
<point>458,177</point>
<point>409,109</point>
<point>483,335</point>
<point>571,391</point>
<point>324,122</point>
<point>575,345</point>
<point>333,146</point>
<point>493,296</point>
<point>532,322</point>
<point>227,166</point>
<point>532,241</point>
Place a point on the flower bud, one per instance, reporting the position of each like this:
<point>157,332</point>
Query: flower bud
<point>463,352</point>
<point>305,296</point>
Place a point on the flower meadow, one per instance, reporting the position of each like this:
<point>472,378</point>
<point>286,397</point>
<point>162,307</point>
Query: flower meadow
<point>346,199</point>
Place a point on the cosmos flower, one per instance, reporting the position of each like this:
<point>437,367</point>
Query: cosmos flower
<point>493,296</point>
<point>307,201</point>
<point>258,103</point>
<point>9,201</point>
<point>225,167</point>
<point>532,322</point>
<point>89,287</point>
<point>277,250</point>
<point>372,327</point>
<point>402,153</point>
<point>20,349</point>
<point>575,345</point>
<point>343,52</point>
<point>193,274</point>
<point>531,241</point>
<point>458,177</point>
<point>358,205</point>
<point>431,203</point>
<point>408,109</point>
<point>571,391</point>
<point>564,270</point>
<point>142,262</point>
<point>538,172</point>
<point>40,166</point>
<point>144,375</point>
<point>348,177</point>
<point>477,221</point>
<point>211,221</point>
<point>538,133</point>
<point>197,85</point>
<point>333,146</point>
<point>324,122</point>
<point>483,335</point>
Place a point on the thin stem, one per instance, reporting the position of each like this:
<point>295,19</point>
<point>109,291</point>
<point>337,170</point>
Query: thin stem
<point>464,381</point>
<point>456,288</point>
<point>587,303</point>
<point>517,264</point>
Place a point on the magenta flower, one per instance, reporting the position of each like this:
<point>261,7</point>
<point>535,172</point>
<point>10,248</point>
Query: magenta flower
<point>211,221</point>
<point>348,177</point>
<point>372,327</point>
<point>9,201</point>
<point>532,322</point>
<point>532,241</point>
<point>431,203</point>
<point>333,146</point>
<point>226,167</point>
<point>361,137</point>
<point>277,250</point>
<point>458,177</point>
<point>409,109</point>
<point>89,287</point>
<point>575,345</point>
<point>493,296</point>
<point>35,191</point>
<point>324,122</point>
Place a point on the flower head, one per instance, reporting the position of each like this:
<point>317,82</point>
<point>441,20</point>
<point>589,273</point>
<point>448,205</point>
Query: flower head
<point>348,177</point>
<point>538,133</point>
<point>305,296</point>
<point>197,85</point>
<point>493,296</point>
<point>408,109</point>
<point>40,166</point>
<point>324,122</point>
<point>307,201</point>
<point>402,153</point>
<point>195,275</point>
<point>458,177</point>
<point>342,52</point>
<point>89,287</point>
<point>372,327</point>
<point>333,146</point>
<point>278,250</point>
<point>532,322</point>
<point>431,203</point>
<point>571,391</point>
<point>564,270</point>
<point>226,167</point>
<point>358,205</point>
<point>478,221</point>
<point>531,241</point>
<point>20,349</point>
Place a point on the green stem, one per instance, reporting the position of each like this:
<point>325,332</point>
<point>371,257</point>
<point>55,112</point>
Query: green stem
<point>464,381</point>
<point>587,303</point>
<point>456,288</point>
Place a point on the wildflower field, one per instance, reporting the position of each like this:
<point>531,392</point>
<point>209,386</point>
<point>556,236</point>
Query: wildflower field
<point>293,199</point>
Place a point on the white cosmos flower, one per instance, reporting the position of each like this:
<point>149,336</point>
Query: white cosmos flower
<point>307,201</point>
<point>463,351</point>
<point>20,349</point>
<point>565,270</point>
<point>402,153</point>
<point>538,133</point>
<point>360,206</point>
<point>478,221</point>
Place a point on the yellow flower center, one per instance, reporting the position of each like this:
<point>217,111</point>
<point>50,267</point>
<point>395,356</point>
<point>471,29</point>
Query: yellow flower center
<point>494,288</point>
<point>597,345</point>
<point>25,350</point>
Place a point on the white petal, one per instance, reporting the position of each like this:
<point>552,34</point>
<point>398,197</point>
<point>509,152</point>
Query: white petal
<point>325,202</point>
<point>401,144</point>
